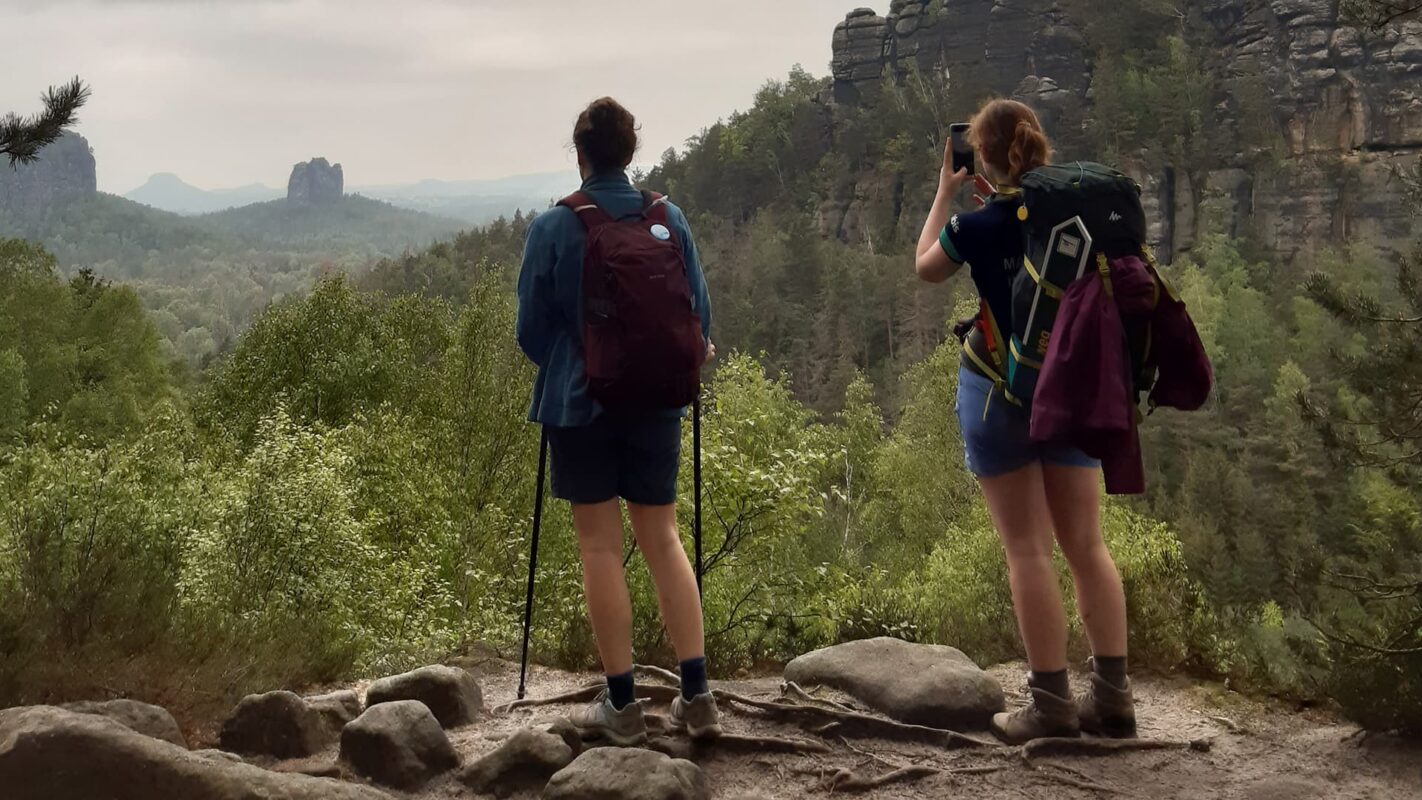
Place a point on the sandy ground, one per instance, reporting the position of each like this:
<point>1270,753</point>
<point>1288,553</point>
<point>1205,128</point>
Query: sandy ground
<point>1244,750</point>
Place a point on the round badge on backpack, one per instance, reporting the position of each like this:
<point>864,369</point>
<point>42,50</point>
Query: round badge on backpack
<point>661,232</point>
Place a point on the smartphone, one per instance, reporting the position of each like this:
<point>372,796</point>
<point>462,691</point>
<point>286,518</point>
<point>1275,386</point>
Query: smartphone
<point>962,150</point>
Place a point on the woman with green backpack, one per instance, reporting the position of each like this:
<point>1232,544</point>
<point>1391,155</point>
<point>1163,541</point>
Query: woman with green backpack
<point>1036,493</point>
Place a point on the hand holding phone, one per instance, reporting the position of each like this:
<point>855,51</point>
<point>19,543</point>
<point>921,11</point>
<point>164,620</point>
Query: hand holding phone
<point>962,149</point>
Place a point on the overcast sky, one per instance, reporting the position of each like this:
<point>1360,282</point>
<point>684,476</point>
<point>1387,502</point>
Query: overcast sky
<point>230,92</point>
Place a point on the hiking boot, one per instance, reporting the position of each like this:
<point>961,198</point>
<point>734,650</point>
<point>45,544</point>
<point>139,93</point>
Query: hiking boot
<point>1047,716</point>
<point>1107,710</point>
<point>699,716</point>
<point>625,728</point>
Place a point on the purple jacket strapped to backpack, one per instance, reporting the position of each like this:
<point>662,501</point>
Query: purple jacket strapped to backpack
<point>1086,395</point>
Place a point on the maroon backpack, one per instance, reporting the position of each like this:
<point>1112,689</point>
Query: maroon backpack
<point>642,339</point>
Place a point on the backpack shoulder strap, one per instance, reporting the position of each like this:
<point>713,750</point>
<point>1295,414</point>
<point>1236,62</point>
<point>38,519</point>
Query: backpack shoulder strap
<point>654,206</point>
<point>589,212</point>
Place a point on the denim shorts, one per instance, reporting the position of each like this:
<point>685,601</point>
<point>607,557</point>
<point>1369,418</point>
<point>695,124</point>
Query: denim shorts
<point>997,434</point>
<point>634,457</point>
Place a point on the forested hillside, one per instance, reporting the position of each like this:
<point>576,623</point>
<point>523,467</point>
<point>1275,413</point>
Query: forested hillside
<point>205,278</point>
<point>348,487</point>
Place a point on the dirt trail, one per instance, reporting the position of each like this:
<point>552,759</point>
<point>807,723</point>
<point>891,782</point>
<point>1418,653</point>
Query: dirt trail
<point>1242,750</point>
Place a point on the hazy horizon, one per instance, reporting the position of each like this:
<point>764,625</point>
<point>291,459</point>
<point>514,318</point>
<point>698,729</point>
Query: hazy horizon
<point>227,93</point>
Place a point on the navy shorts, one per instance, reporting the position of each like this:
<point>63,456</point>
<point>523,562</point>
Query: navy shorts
<point>997,434</point>
<point>635,458</point>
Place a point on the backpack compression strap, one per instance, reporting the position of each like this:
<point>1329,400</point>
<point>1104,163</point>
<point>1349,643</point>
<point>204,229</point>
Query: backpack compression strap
<point>654,206</point>
<point>589,212</point>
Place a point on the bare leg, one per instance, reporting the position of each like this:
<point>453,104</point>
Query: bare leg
<point>1074,499</point>
<point>655,528</point>
<point>599,530</point>
<point>1018,505</point>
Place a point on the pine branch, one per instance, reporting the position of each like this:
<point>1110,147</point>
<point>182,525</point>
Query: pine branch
<point>22,138</point>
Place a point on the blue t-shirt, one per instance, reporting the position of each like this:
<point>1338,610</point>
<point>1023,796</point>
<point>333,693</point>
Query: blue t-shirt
<point>550,299</point>
<point>989,241</point>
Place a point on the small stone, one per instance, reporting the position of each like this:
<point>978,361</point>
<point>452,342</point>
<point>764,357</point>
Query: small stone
<point>149,720</point>
<point>277,724</point>
<point>452,694</point>
<point>526,761</point>
<point>398,744</point>
<point>609,773</point>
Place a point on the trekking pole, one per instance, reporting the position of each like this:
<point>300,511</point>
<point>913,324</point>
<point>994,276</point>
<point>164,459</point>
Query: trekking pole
<point>696,473</point>
<point>533,560</point>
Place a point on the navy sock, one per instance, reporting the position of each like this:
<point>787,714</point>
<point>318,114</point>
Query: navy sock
<point>693,678</point>
<point>621,690</point>
<point>1112,669</point>
<point>1056,683</point>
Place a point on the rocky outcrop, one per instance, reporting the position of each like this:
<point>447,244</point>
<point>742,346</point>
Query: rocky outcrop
<point>65,169</point>
<point>452,694</point>
<point>48,753</point>
<point>921,684</point>
<point>146,719</point>
<point>397,744</point>
<point>315,182</point>
<point>1346,105</point>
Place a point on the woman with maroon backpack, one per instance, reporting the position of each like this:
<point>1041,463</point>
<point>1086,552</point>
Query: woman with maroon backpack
<point>1035,492</point>
<point>614,311</point>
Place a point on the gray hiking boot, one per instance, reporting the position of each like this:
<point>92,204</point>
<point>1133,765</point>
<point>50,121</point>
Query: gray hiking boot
<point>1047,716</point>
<point>699,716</point>
<point>625,728</point>
<point>1107,710</point>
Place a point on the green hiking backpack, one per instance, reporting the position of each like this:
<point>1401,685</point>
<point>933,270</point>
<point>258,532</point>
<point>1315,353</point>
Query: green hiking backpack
<point>1075,218</point>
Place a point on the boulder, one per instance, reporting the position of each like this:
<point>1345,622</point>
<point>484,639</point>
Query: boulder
<point>609,773</point>
<point>277,724</point>
<point>525,761</point>
<point>451,693</point>
<point>47,753</point>
<point>920,684</point>
<point>398,744</point>
<point>148,720</point>
<point>336,709</point>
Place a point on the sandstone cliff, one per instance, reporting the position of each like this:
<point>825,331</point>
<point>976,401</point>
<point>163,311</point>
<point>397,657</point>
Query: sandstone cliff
<point>65,169</point>
<point>314,182</point>
<point>1346,103</point>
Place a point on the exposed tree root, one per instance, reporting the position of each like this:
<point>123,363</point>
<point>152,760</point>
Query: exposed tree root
<point>846,780</point>
<point>681,747</point>
<point>849,781</point>
<point>1079,783</point>
<point>587,694</point>
<point>1087,747</point>
<point>792,691</point>
<point>665,675</point>
<point>833,722</point>
<point>1229,724</point>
